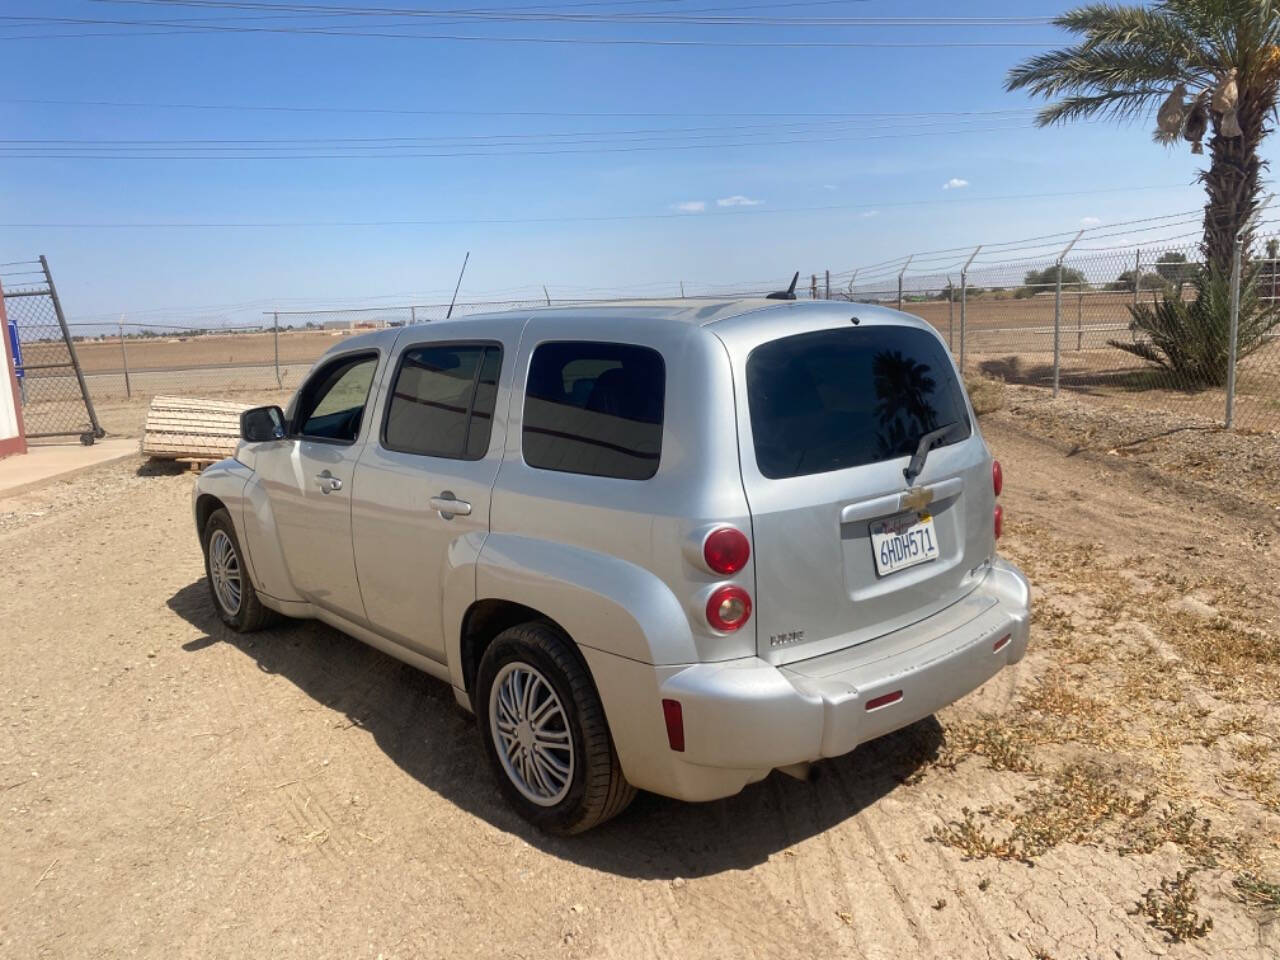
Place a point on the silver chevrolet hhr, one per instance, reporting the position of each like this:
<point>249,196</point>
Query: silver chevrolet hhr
<point>669,546</point>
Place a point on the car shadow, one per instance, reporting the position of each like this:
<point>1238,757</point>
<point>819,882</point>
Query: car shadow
<point>414,720</point>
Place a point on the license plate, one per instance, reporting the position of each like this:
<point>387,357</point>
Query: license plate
<point>903,541</point>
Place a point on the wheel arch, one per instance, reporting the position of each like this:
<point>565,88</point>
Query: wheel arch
<point>487,618</point>
<point>206,505</point>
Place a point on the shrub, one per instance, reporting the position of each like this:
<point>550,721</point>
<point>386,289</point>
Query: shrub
<point>1190,338</point>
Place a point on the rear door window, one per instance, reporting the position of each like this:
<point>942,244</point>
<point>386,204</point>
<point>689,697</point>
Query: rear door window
<point>843,398</point>
<point>595,408</point>
<point>442,401</point>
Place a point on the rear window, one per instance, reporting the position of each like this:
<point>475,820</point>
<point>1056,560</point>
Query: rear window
<point>595,408</point>
<point>843,398</point>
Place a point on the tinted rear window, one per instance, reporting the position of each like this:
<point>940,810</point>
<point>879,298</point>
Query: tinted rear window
<point>844,398</point>
<point>595,408</point>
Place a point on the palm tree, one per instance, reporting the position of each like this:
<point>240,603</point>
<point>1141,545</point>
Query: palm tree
<point>1132,59</point>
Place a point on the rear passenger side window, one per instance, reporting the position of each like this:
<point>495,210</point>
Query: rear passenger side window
<point>595,408</point>
<point>442,401</point>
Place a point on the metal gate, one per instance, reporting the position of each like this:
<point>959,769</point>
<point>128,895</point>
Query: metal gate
<point>55,398</point>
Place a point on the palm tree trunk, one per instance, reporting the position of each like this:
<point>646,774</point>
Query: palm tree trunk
<point>1232,185</point>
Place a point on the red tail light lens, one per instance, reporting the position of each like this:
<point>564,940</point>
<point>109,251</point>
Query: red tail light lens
<point>728,608</point>
<point>997,477</point>
<point>999,520</point>
<point>726,550</point>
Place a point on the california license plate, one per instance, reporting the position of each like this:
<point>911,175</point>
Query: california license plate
<point>903,541</point>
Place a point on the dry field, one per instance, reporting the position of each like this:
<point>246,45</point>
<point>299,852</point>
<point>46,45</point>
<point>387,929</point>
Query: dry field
<point>170,789</point>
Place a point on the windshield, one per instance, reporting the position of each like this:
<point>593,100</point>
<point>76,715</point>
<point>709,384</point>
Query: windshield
<point>843,398</point>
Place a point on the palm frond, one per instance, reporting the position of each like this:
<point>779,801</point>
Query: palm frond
<point>1111,104</point>
<point>1105,24</point>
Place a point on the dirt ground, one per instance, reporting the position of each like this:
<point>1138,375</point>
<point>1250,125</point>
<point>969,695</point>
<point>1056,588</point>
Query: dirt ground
<point>170,789</point>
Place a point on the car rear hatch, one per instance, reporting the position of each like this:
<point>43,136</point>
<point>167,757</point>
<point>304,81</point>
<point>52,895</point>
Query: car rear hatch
<point>830,412</point>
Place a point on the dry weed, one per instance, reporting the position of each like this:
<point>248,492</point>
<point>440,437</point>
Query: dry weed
<point>1171,909</point>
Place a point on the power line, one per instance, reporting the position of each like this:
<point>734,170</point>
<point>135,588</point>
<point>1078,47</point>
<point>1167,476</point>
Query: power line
<point>489,221</point>
<point>472,154</point>
<point>286,108</point>
<point>653,133</point>
<point>338,31</point>
<point>507,15</point>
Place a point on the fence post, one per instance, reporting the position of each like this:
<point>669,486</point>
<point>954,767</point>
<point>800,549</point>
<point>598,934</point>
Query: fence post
<point>900,273</point>
<point>275,330</point>
<point>124,357</point>
<point>96,430</point>
<point>1137,274</point>
<point>1233,335</point>
<point>828,295</point>
<point>964,288</point>
<point>1057,313</point>
<point>1079,316</point>
<point>951,315</point>
<point>813,286</point>
<point>413,314</point>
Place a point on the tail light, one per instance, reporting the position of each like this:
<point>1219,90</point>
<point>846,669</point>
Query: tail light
<point>728,608</point>
<point>997,484</point>
<point>726,550</point>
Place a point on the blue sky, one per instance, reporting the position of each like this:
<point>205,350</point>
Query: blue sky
<point>591,221</point>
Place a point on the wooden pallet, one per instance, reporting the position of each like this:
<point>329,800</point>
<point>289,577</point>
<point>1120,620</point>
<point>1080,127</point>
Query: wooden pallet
<point>188,428</point>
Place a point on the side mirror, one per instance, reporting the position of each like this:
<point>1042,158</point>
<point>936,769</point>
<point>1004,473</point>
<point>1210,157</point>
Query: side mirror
<point>262,424</point>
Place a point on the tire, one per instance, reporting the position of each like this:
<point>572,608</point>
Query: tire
<point>570,788</point>
<point>240,609</point>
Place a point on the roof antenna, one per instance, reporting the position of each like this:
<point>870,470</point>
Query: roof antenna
<point>787,294</point>
<point>455,289</point>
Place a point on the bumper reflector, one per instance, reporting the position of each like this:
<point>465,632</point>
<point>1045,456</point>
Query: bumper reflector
<point>674,716</point>
<point>1002,643</point>
<point>875,703</point>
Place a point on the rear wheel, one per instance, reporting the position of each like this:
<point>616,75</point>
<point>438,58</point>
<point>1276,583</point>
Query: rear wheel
<point>544,730</point>
<point>233,595</point>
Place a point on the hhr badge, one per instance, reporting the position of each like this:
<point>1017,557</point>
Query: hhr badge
<point>781,639</point>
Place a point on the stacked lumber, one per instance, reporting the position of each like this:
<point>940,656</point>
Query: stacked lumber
<point>191,429</point>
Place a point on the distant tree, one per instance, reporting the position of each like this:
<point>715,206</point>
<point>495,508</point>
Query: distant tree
<point>1048,277</point>
<point>1149,281</point>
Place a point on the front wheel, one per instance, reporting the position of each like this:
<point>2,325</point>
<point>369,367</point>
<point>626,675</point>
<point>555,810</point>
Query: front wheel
<point>233,595</point>
<point>544,730</point>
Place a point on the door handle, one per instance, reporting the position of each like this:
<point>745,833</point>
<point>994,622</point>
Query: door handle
<point>328,482</point>
<point>450,506</point>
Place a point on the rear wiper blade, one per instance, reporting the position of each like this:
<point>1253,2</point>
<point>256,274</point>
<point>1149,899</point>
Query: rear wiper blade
<point>930,440</point>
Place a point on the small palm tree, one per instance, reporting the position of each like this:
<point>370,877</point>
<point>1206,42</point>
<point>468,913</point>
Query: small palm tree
<point>1132,59</point>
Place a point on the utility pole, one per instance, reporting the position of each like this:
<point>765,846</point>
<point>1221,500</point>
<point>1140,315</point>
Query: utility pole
<point>900,273</point>
<point>828,296</point>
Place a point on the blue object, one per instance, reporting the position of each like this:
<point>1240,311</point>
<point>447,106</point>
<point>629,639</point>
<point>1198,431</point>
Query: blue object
<point>16,348</point>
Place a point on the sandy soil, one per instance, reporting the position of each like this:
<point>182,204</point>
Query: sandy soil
<point>170,789</point>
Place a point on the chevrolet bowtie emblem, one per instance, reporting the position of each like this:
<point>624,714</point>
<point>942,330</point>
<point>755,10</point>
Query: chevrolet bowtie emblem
<point>917,498</point>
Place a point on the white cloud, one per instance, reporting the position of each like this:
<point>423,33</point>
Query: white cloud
<point>737,200</point>
<point>829,186</point>
<point>870,213</point>
<point>955,183</point>
<point>1089,221</point>
<point>690,206</point>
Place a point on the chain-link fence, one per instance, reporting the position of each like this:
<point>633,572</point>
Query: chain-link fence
<point>52,389</point>
<point>1151,326</point>
<point>1148,326</point>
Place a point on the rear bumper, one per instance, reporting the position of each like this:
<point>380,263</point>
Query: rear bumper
<point>743,718</point>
